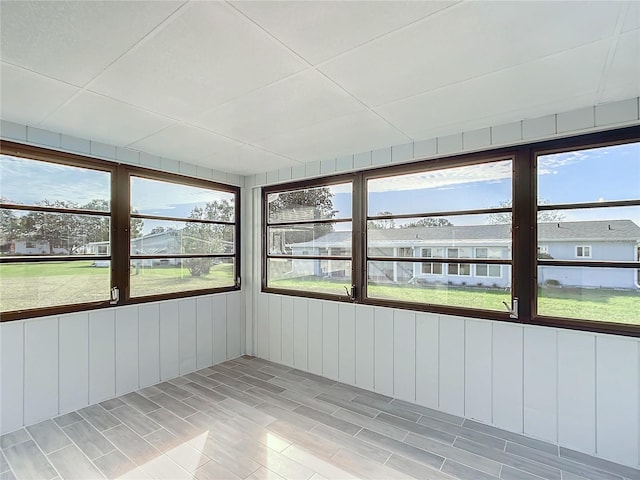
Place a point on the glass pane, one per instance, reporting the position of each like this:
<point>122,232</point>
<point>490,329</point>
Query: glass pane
<point>483,287</point>
<point>319,276</point>
<point>170,275</point>
<point>163,237</point>
<point>310,239</point>
<point>607,234</point>
<point>460,188</point>
<point>156,197</point>
<point>601,294</point>
<point>332,201</point>
<point>461,235</point>
<point>39,233</point>
<point>592,175</point>
<point>50,284</point>
<point>32,182</point>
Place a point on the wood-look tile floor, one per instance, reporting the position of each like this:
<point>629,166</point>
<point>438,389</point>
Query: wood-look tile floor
<point>256,420</point>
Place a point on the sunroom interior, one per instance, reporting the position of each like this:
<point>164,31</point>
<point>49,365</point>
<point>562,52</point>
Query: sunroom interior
<point>320,240</point>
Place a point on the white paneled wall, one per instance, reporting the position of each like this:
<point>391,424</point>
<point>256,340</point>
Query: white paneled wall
<point>54,365</point>
<point>577,389</point>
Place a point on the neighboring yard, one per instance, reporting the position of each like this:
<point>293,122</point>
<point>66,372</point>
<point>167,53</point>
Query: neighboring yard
<point>620,306</point>
<point>44,285</point>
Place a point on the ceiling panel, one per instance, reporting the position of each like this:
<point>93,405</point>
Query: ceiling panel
<point>633,17</point>
<point>247,159</point>
<point>623,75</point>
<point>522,88</point>
<point>206,56</point>
<point>348,134</point>
<point>74,41</point>
<point>185,142</point>
<point>466,41</point>
<point>295,102</point>
<point>103,119</point>
<point>27,97</point>
<point>320,30</point>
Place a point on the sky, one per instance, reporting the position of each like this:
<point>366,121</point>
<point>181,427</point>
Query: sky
<point>601,174</point>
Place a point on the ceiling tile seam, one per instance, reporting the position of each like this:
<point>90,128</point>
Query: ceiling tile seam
<point>622,15</point>
<point>87,85</point>
<point>476,77</point>
<point>46,115</point>
<point>424,18</point>
<point>145,38</point>
<point>311,66</point>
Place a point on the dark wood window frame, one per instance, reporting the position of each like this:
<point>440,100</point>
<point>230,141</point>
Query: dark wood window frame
<point>120,261</point>
<point>524,261</point>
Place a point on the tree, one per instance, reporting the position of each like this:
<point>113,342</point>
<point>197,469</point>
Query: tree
<point>382,224</point>
<point>9,222</point>
<point>308,204</point>
<point>155,230</point>
<point>545,216</point>
<point>429,222</point>
<point>204,238</point>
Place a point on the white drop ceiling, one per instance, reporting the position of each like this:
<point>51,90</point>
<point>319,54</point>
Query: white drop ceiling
<point>248,87</point>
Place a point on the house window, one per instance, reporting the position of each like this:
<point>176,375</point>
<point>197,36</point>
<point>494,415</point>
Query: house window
<point>313,225</point>
<point>470,224</point>
<point>75,211</point>
<point>583,251</point>
<point>432,268</point>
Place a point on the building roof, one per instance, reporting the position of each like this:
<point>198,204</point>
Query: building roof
<point>600,230</point>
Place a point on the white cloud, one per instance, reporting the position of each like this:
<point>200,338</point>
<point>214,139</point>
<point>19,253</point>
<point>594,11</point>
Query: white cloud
<point>445,178</point>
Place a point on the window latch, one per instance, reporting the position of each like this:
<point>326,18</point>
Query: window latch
<point>513,310</point>
<point>115,295</point>
<point>351,293</point>
<point>238,284</point>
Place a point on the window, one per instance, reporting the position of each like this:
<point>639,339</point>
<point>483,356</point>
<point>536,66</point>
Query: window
<point>458,235</point>
<point>432,268</point>
<point>583,251</point>
<point>588,203</point>
<point>443,208</point>
<point>308,241</point>
<point>62,249</point>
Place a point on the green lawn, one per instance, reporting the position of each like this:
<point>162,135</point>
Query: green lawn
<point>48,284</point>
<point>621,306</point>
<point>39,285</point>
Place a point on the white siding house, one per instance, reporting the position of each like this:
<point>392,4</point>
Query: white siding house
<point>607,240</point>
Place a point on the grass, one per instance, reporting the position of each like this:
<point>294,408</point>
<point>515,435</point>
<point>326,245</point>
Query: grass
<point>620,306</point>
<point>39,285</point>
<point>58,283</point>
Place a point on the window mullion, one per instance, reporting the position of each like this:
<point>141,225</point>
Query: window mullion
<point>120,201</point>
<point>524,274</point>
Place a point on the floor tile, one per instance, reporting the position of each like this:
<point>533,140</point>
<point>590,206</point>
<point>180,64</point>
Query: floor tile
<point>173,405</point>
<point>99,417</point>
<point>27,461</point>
<point>114,464</point>
<point>372,424</point>
<point>88,439</point>
<point>214,471</point>
<point>415,469</point>
<point>329,420</point>
<point>68,419</point>
<point>73,465</point>
<point>111,404</point>
<point>174,390</point>
<point>135,420</point>
<point>457,470</point>
<point>401,448</point>
<point>14,438</point>
<point>131,444</point>
<point>139,402</point>
<point>48,436</point>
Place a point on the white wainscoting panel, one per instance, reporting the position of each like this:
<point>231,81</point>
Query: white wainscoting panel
<point>219,314</point>
<point>74,362</point>
<point>383,379</point>
<point>169,340</point>
<point>102,355</point>
<point>204,331</point>
<point>127,346</point>
<point>347,343</point>
<point>300,333</point>
<point>287,331</point>
<point>41,370</point>
<point>478,377</point>
<point>404,355</point>
<point>427,360</point>
<point>364,345</point>
<point>187,335</point>
<point>451,362</point>
<point>330,341</point>
<point>149,344</point>
<point>275,328</point>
